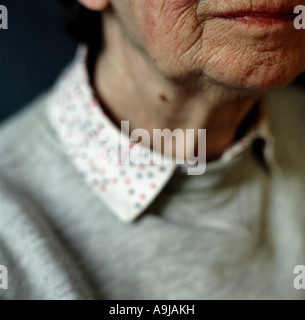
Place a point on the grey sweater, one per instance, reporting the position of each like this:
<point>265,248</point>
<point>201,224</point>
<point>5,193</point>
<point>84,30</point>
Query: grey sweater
<point>235,232</point>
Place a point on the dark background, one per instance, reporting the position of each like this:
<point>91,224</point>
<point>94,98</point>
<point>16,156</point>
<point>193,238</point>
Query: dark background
<point>33,52</point>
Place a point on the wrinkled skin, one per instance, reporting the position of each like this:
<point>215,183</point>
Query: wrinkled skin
<point>187,43</point>
<point>185,64</point>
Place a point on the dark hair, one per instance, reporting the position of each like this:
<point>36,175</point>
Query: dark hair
<point>83,25</point>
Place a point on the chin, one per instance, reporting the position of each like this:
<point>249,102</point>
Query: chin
<point>259,74</point>
<point>257,81</point>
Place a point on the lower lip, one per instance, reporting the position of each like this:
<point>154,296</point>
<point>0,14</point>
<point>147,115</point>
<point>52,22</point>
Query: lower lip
<point>261,21</point>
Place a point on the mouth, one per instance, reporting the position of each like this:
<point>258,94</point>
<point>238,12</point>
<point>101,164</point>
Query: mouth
<point>258,18</point>
<point>260,15</point>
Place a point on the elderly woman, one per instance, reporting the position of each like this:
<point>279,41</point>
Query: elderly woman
<point>75,227</point>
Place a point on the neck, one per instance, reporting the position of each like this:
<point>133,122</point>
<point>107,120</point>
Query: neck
<point>150,101</point>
